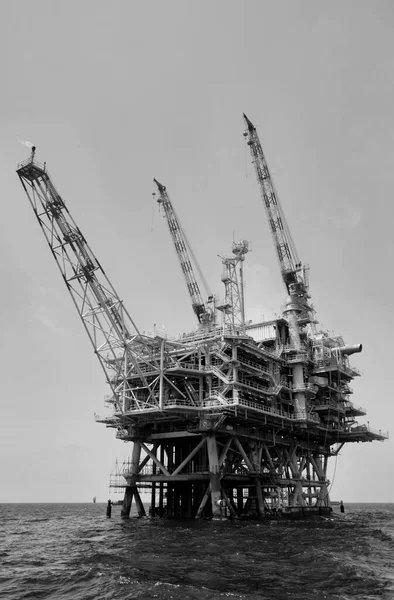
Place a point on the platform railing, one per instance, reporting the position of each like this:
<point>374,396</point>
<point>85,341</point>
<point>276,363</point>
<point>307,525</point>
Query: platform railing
<point>324,404</point>
<point>350,370</point>
<point>253,384</point>
<point>31,161</point>
<point>263,409</point>
<point>367,428</point>
<point>217,401</point>
<point>250,363</point>
<point>353,407</point>
<point>178,365</point>
<point>298,357</point>
<point>303,387</point>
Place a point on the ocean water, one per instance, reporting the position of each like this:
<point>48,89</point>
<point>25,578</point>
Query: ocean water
<point>73,551</point>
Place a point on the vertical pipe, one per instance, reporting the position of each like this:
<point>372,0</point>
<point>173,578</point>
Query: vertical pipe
<point>208,378</point>
<point>161,375</point>
<point>291,313</point>
<point>308,471</point>
<point>235,391</point>
<point>189,500</point>
<point>170,486</point>
<point>153,492</point>
<point>242,294</point>
<point>177,486</point>
<point>200,378</point>
<point>161,488</point>
<point>235,358</point>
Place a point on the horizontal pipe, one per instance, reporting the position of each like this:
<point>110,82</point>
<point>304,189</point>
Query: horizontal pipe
<point>348,349</point>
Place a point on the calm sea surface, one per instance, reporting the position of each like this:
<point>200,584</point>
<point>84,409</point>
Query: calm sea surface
<point>72,551</point>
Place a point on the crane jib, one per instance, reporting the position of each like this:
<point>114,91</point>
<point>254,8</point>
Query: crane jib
<point>181,247</point>
<point>126,357</point>
<point>285,249</point>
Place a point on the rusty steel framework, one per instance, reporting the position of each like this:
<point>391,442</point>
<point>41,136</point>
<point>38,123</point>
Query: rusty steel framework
<point>233,420</point>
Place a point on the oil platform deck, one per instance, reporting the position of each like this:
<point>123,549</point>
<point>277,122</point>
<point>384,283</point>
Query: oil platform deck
<point>227,438</point>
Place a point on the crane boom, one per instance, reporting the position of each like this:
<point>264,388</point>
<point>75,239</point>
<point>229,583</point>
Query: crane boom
<point>204,315</point>
<point>292,271</point>
<point>125,355</point>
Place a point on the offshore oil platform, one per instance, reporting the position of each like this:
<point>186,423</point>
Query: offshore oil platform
<point>233,419</point>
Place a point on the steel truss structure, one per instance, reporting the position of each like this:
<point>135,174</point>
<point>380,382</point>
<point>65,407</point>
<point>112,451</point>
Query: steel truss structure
<point>238,420</point>
<point>128,358</point>
<point>204,313</point>
<point>229,441</point>
<point>233,307</point>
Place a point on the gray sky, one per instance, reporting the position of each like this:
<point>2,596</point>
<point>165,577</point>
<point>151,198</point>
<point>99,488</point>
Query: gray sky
<point>116,93</point>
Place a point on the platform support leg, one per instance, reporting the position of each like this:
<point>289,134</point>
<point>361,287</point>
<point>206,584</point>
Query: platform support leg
<point>256,456</point>
<point>203,501</point>
<point>260,499</point>
<point>138,502</point>
<point>127,500</point>
<point>131,489</point>
<point>214,476</point>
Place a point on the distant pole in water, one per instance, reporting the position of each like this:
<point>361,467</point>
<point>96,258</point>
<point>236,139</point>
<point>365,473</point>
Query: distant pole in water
<point>109,508</point>
<point>94,499</point>
<point>341,507</point>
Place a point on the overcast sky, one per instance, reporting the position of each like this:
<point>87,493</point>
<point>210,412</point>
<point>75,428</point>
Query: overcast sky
<point>116,93</point>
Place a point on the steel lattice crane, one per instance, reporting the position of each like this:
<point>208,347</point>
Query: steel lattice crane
<point>205,314</point>
<point>294,273</point>
<point>126,356</point>
<point>297,312</point>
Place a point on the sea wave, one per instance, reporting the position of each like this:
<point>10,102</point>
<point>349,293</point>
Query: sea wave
<point>89,557</point>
